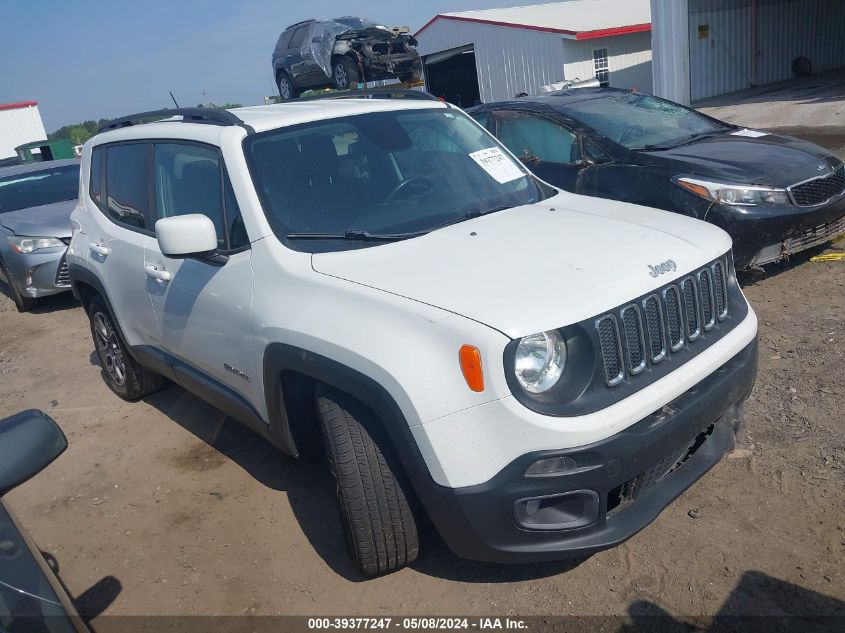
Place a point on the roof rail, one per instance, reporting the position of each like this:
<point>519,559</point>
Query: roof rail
<point>209,116</point>
<point>385,92</point>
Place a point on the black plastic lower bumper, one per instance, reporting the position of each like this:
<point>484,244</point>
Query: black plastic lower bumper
<point>614,488</point>
<point>754,228</point>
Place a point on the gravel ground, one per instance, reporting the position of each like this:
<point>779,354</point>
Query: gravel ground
<point>166,507</point>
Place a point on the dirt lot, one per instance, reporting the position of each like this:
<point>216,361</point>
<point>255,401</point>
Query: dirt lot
<point>175,510</point>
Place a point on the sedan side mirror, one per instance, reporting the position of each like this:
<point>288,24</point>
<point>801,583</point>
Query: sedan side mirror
<point>187,236</point>
<point>29,442</point>
<point>583,163</point>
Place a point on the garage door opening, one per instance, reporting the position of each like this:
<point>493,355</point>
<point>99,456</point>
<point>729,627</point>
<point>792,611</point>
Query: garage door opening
<point>452,75</point>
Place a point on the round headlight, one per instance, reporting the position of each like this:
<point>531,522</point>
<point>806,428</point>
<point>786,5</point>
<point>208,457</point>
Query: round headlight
<point>540,360</point>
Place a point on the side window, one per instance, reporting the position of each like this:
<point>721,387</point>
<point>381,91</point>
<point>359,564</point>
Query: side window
<point>536,138</point>
<point>284,40</point>
<point>483,118</point>
<point>126,183</point>
<point>596,153</point>
<point>234,222</point>
<point>189,179</point>
<point>95,180</point>
<point>298,37</point>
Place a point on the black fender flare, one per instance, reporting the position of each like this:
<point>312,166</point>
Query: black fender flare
<point>280,357</point>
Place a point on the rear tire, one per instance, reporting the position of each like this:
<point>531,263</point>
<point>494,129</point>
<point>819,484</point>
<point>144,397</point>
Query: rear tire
<point>344,73</point>
<point>372,492</point>
<point>22,303</point>
<point>122,373</point>
<point>286,87</point>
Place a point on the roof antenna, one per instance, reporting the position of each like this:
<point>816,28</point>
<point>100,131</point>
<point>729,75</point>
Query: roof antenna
<point>174,99</point>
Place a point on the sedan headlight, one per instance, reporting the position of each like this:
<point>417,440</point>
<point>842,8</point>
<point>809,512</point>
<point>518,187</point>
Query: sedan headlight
<point>540,360</point>
<point>738,195</point>
<point>26,245</point>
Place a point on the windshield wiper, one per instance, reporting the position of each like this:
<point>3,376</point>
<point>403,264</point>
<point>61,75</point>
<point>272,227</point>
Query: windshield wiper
<point>355,234</point>
<point>679,142</point>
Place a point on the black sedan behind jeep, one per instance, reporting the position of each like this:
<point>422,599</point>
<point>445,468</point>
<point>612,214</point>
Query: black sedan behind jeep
<point>776,195</point>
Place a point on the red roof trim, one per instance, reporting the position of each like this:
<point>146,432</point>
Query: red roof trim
<point>579,35</point>
<point>621,30</point>
<point>19,104</point>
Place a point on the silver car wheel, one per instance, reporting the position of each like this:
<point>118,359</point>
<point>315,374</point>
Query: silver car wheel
<point>340,77</point>
<point>108,347</point>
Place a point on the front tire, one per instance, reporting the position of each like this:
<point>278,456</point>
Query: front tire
<point>22,303</point>
<point>372,493</point>
<point>344,73</point>
<point>122,373</point>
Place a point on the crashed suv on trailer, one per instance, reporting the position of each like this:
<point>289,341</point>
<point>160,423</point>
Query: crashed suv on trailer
<point>342,53</point>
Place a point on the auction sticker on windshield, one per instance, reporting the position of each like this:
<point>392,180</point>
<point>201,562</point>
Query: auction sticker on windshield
<point>494,162</point>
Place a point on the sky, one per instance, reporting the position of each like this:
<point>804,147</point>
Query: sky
<point>92,59</point>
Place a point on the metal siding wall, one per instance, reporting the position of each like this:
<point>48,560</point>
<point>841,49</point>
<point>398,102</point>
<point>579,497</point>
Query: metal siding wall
<point>629,58</point>
<point>508,60</point>
<point>670,49</point>
<point>798,28</point>
<point>19,126</point>
<point>786,29</point>
<point>722,62</point>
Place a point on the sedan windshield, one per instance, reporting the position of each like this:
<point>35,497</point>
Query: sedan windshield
<point>382,176</point>
<point>34,188</point>
<point>638,121</point>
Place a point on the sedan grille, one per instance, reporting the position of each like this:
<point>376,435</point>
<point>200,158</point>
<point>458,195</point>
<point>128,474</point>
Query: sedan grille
<point>819,190</point>
<point>666,322</point>
<point>63,274</point>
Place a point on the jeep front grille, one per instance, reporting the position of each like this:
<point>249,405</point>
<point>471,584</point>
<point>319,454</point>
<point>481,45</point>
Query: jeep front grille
<point>645,332</point>
<point>818,191</point>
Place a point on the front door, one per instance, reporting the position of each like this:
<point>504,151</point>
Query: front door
<point>204,307</point>
<point>545,146</point>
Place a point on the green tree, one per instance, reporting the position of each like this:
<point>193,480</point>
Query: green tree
<point>78,135</point>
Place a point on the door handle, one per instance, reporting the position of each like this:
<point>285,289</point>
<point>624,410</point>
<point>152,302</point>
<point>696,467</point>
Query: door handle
<point>158,275</point>
<point>99,249</point>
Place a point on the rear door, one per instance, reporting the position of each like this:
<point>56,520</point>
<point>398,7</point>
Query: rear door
<point>300,62</point>
<point>547,147</point>
<point>204,309</point>
<point>120,231</point>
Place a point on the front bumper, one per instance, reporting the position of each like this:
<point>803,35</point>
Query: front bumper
<point>766,234</point>
<point>616,487</point>
<point>38,274</point>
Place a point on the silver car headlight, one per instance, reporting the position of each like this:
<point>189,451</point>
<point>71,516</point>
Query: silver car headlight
<point>734,194</point>
<point>539,361</point>
<point>25,245</point>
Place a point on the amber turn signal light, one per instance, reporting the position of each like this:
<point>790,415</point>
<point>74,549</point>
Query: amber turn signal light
<point>470,359</point>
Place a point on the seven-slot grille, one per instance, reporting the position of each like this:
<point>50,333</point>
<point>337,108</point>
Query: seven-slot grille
<point>819,190</point>
<point>63,274</point>
<point>645,332</point>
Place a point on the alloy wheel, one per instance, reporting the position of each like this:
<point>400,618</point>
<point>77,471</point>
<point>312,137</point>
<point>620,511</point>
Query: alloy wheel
<point>109,349</point>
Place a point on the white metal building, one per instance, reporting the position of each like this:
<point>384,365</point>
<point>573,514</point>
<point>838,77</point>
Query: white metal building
<point>495,54</point>
<point>19,123</point>
<point>704,48</point>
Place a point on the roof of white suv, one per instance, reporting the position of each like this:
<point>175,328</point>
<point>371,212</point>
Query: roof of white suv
<point>262,118</point>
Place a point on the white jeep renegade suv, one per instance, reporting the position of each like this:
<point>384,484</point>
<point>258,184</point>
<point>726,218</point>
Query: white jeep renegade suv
<point>539,372</point>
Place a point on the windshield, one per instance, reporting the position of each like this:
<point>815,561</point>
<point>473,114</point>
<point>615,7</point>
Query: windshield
<point>34,188</point>
<point>638,121</point>
<point>356,23</point>
<point>381,175</point>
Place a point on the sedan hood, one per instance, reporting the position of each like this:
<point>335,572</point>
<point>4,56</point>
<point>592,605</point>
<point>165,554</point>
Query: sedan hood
<point>773,160</point>
<point>49,220</point>
<point>536,267</point>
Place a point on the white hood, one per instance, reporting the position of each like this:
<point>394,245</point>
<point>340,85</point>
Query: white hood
<point>537,267</point>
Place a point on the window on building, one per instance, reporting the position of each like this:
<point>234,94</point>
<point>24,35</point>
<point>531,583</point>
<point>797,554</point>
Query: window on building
<point>601,66</point>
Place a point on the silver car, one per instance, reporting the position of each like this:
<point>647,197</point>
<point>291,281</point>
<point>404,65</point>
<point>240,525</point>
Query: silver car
<point>35,205</point>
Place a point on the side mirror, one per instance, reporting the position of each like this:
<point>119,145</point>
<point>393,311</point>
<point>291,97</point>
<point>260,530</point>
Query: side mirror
<point>187,235</point>
<point>29,442</point>
<point>583,163</point>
